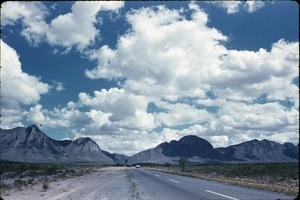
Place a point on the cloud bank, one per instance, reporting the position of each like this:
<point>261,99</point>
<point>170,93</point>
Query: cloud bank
<point>72,30</point>
<point>17,87</point>
<point>233,7</point>
<point>175,77</point>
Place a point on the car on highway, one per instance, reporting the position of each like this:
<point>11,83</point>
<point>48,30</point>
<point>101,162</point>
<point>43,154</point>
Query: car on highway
<point>137,166</point>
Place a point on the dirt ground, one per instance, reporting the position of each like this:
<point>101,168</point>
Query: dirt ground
<point>105,183</point>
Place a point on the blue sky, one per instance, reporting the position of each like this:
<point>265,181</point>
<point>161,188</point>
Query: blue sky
<point>131,75</point>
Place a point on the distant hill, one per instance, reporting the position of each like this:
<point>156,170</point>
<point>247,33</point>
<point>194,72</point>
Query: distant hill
<point>261,151</point>
<point>117,158</point>
<point>198,150</point>
<point>30,144</point>
<point>291,150</point>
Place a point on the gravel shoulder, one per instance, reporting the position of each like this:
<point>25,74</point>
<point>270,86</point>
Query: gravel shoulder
<point>105,183</point>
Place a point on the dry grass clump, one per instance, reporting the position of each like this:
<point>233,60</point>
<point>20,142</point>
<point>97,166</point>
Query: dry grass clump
<point>45,186</point>
<point>19,175</point>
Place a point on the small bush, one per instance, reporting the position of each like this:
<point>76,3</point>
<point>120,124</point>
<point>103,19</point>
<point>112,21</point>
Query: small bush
<point>19,183</point>
<point>30,181</point>
<point>71,171</point>
<point>45,186</point>
<point>8,175</point>
<point>182,162</point>
<point>45,178</point>
<point>21,169</point>
<point>4,186</point>
<point>52,169</point>
<point>167,164</point>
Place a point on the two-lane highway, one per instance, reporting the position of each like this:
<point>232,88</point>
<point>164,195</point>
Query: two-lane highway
<point>158,185</point>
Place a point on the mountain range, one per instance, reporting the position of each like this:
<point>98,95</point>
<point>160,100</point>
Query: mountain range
<point>198,150</point>
<point>30,144</point>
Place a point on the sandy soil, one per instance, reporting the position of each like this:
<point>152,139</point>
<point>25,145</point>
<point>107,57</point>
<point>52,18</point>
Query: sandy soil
<point>106,183</point>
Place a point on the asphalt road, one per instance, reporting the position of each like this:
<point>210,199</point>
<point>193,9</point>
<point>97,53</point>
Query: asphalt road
<point>158,185</point>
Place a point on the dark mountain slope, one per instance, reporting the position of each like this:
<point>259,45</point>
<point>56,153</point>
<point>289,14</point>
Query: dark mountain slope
<point>260,151</point>
<point>30,144</point>
<point>291,150</point>
<point>190,146</point>
<point>198,150</point>
<point>117,158</point>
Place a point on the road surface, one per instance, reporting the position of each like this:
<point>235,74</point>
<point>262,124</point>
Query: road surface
<point>158,185</point>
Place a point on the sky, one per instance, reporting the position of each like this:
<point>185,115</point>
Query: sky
<point>131,75</point>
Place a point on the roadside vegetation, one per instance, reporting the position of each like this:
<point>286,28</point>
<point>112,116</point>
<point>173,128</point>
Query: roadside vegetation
<point>276,177</point>
<point>21,175</point>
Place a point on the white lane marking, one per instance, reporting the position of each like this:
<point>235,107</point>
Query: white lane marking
<point>173,181</point>
<point>156,175</point>
<point>222,195</point>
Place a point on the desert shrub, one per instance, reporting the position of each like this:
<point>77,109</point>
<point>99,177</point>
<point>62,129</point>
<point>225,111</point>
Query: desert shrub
<point>276,171</point>
<point>45,179</point>
<point>182,162</point>
<point>71,170</point>
<point>8,175</point>
<point>3,186</point>
<point>19,183</point>
<point>167,164</point>
<point>45,186</point>
<point>33,173</point>
<point>29,181</point>
<point>62,174</point>
<point>52,169</point>
<point>20,169</point>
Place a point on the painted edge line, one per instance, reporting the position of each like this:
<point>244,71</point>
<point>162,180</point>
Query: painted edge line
<point>222,195</point>
<point>156,175</point>
<point>173,181</point>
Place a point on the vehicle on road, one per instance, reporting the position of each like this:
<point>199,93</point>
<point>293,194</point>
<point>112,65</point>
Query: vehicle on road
<point>137,166</point>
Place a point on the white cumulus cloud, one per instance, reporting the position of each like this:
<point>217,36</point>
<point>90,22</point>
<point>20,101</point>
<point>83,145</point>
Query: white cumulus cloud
<point>233,7</point>
<point>31,14</point>
<point>159,56</point>
<point>17,87</point>
<point>58,117</point>
<point>166,57</point>
<point>77,28</point>
<point>74,29</point>
<point>252,6</point>
<point>125,110</point>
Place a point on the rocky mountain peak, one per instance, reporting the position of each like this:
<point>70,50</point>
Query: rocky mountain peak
<point>194,140</point>
<point>33,130</point>
<point>85,144</point>
<point>83,141</point>
<point>261,151</point>
<point>189,146</point>
<point>30,144</point>
<point>32,127</point>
